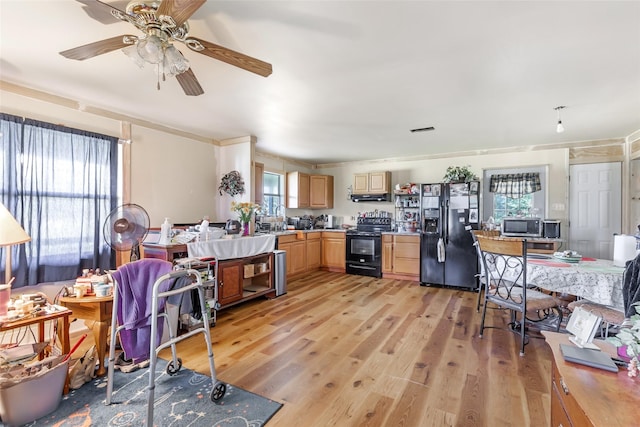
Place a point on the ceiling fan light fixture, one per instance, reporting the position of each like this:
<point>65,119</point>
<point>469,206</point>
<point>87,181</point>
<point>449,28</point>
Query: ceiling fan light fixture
<point>151,49</point>
<point>174,62</point>
<point>559,126</point>
<point>132,52</point>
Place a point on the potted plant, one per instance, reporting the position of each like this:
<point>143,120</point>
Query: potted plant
<point>628,342</point>
<point>459,174</point>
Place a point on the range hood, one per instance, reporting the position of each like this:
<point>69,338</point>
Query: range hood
<point>386,197</point>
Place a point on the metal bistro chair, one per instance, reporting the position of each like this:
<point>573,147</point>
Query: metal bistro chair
<point>159,293</point>
<point>505,275</point>
<point>481,281</point>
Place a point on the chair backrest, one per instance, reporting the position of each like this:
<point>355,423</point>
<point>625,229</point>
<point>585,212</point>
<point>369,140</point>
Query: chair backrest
<point>505,269</point>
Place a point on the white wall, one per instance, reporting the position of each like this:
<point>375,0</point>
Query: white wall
<point>172,176</point>
<point>432,170</point>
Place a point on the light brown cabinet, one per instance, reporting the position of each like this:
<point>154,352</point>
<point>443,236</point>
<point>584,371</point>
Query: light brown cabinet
<point>321,192</point>
<point>298,191</point>
<point>314,251</point>
<point>387,253</point>
<point>334,250</point>
<point>296,252</point>
<point>372,183</point>
<point>309,191</point>
<point>401,256</point>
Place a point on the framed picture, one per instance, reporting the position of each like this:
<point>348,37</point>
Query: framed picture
<point>473,188</point>
<point>583,325</point>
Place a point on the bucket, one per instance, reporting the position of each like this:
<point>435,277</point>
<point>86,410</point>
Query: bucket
<point>624,249</point>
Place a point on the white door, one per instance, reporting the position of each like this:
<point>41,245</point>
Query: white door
<point>595,208</point>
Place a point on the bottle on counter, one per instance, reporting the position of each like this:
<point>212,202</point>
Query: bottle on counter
<point>204,228</point>
<point>165,232</point>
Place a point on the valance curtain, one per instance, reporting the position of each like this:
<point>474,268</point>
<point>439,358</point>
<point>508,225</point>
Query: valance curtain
<point>515,185</point>
<point>60,184</point>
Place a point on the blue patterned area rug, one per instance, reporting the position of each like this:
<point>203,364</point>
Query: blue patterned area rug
<point>180,400</point>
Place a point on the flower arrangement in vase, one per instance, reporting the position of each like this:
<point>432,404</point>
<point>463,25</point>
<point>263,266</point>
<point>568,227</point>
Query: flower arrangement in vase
<point>245,211</point>
<point>628,339</point>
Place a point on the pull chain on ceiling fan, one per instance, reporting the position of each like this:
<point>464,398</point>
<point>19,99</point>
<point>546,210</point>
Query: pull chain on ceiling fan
<point>161,24</point>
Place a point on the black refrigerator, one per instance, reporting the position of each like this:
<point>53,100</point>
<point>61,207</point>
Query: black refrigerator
<point>447,255</point>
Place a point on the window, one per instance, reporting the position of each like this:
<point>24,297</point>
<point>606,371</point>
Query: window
<point>498,205</point>
<point>60,184</point>
<point>273,193</point>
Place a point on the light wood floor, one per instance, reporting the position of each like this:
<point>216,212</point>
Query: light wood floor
<point>344,350</point>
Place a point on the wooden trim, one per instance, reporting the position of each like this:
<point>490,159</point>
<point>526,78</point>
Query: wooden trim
<point>598,154</point>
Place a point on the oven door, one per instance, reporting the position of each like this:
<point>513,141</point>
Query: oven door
<point>363,249</point>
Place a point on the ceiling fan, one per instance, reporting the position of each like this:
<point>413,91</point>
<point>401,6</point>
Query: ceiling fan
<point>163,22</point>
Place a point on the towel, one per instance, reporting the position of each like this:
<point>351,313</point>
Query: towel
<point>441,250</point>
<point>135,290</point>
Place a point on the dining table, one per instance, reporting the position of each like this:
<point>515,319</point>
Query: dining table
<point>596,280</point>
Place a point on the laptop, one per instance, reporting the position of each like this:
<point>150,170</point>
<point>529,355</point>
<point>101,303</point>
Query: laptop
<point>588,357</point>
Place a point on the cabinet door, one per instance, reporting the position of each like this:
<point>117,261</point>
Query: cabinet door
<point>298,257</point>
<point>230,281</point>
<point>387,254</point>
<point>334,252</point>
<point>314,255</point>
<point>287,248</point>
<point>297,190</point>
<point>379,182</point>
<point>321,191</point>
<point>360,183</point>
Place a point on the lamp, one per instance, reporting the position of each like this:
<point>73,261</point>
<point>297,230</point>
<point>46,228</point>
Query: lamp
<point>11,233</point>
<point>559,127</point>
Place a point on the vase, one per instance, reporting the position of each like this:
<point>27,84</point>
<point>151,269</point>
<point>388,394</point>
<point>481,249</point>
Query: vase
<point>245,228</point>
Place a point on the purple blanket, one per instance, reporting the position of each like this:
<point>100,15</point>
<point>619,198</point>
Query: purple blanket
<point>135,290</point>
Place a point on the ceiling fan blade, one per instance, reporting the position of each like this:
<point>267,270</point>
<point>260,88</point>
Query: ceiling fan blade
<point>98,48</point>
<point>229,56</point>
<point>189,83</point>
<point>179,10</point>
<point>101,12</point>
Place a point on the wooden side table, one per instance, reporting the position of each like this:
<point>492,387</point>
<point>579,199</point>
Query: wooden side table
<point>96,312</point>
<point>62,317</point>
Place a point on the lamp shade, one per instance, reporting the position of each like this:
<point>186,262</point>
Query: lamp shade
<point>11,233</point>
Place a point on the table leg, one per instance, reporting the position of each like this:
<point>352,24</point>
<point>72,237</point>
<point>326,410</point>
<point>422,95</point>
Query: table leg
<point>100,336</point>
<point>65,345</point>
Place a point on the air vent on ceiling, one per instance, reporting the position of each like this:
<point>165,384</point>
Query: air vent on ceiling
<point>430,128</point>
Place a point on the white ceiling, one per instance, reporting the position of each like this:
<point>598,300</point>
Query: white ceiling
<point>351,78</point>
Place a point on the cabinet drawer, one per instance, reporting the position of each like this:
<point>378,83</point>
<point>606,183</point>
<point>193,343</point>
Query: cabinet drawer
<point>406,266</point>
<point>387,238</point>
<point>407,250</point>
<point>572,410</point>
<point>314,236</point>
<point>287,238</point>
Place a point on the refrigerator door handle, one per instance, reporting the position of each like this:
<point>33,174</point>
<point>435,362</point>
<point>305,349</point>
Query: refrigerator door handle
<point>446,222</point>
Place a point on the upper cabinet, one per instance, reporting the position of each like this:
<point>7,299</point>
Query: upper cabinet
<point>372,183</point>
<point>309,191</point>
<point>321,191</point>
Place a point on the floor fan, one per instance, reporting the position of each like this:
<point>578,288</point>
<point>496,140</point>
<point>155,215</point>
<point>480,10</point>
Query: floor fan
<point>125,227</point>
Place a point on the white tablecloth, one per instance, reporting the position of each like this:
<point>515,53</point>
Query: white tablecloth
<point>232,248</point>
<point>597,281</point>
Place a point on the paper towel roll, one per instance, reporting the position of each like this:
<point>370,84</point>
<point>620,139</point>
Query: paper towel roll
<point>624,249</point>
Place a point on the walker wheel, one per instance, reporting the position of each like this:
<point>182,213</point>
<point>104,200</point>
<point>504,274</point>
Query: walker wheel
<point>219,389</point>
<point>172,370</point>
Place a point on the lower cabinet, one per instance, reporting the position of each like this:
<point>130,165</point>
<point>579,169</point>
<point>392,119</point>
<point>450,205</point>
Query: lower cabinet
<point>401,256</point>
<point>244,279</point>
<point>334,251</point>
<point>314,251</point>
<point>295,248</point>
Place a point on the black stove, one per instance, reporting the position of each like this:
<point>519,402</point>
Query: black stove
<point>364,246</point>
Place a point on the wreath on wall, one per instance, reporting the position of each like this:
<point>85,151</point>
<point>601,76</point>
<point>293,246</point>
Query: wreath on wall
<point>232,184</point>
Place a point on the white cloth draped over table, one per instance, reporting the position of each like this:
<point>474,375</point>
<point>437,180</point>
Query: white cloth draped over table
<point>598,281</point>
<point>233,248</point>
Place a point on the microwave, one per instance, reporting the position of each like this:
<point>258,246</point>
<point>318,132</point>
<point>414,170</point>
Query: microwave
<point>522,227</point>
